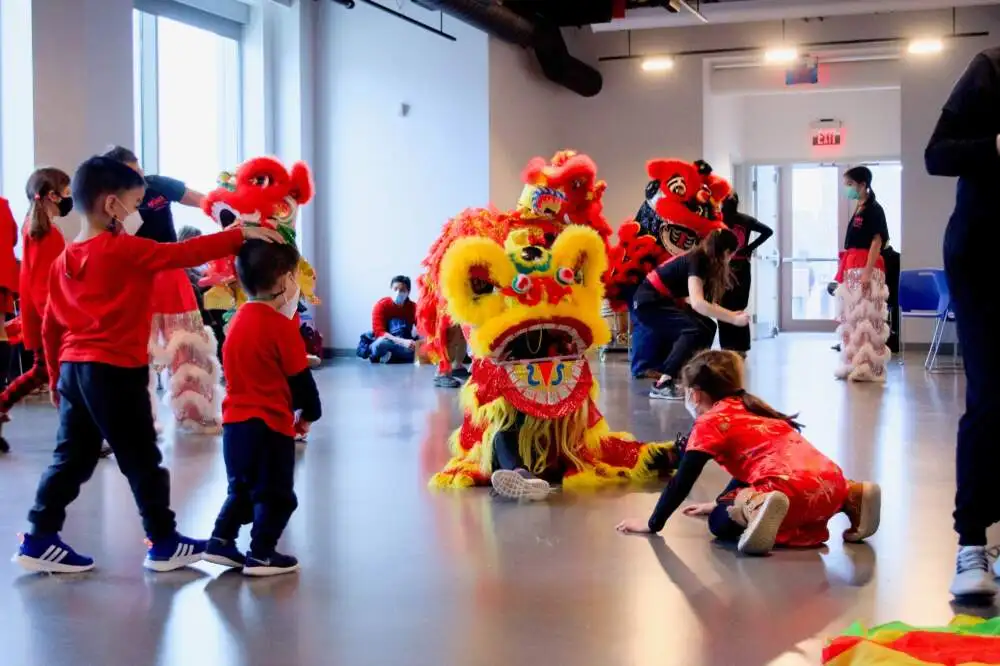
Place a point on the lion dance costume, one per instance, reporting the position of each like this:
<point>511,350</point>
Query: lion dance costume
<point>863,314</point>
<point>527,286</point>
<point>261,193</point>
<point>682,206</point>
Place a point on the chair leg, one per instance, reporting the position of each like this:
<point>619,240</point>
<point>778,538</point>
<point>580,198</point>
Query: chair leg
<point>932,353</point>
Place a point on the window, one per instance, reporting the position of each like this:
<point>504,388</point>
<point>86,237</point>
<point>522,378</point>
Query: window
<point>187,105</point>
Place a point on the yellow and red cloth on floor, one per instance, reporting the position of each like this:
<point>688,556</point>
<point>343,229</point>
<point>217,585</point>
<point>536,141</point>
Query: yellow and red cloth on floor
<point>966,641</point>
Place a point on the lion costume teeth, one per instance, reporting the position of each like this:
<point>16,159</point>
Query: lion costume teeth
<point>527,288</point>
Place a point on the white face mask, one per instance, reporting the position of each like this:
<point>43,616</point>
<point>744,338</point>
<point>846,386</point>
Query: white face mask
<point>291,306</point>
<point>690,405</point>
<point>132,223</point>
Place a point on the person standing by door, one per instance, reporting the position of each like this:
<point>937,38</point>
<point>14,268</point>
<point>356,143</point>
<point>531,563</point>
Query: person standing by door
<point>862,294</point>
<point>966,144</point>
<point>737,338</point>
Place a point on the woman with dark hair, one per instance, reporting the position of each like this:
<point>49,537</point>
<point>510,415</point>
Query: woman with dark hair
<point>862,294</point>
<point>737,338</point>
<point>673,310</point>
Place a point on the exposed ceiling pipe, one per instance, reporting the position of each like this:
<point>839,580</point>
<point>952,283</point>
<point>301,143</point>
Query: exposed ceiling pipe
<point>546,41</point>
<point>748,11</point>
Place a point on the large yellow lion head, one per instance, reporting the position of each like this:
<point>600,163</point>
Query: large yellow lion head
<point>533,312</point>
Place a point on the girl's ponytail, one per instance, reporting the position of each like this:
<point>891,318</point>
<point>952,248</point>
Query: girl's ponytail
<point>41,183</point>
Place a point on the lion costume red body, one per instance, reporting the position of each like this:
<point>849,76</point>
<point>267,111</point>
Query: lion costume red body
<point>682,206</point>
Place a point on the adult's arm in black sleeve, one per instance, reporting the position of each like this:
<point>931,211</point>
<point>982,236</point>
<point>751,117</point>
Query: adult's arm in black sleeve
<point>305,396</point>
<point>958,146</point>
<point>762,230</point>
<point>678,489</point>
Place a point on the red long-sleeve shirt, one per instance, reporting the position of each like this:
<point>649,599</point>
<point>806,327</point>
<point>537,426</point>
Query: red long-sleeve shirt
<point>8,239</point>
<point>100,291</point>
<point>386,310</point>
<point>37,255</point>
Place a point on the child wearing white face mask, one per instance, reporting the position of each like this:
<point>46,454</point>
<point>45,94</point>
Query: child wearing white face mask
<point>270,396</point>
<point>393,319</point>
<point>783,490</point>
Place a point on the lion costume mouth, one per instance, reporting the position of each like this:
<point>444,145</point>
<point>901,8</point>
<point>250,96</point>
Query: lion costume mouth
<point>680,237</point>
<point>543,360</point>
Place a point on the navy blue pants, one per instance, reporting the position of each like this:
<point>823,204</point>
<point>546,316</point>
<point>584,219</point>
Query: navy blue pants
<point>100,402</point>
<point>665,337</point>
<point>260,464</point>
<point>720,524</point>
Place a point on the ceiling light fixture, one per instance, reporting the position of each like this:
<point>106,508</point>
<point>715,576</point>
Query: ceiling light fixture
<point>781,55</point>
<point>657,64</point>
<point>925,46</point>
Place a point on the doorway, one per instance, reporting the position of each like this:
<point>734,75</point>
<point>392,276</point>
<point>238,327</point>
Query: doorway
<point>804,204</point>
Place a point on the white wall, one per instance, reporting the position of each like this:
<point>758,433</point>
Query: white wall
<point>776,128</point>
<point>387,183</point>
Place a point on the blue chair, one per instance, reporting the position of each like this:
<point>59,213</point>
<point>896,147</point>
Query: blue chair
<point>923,294</point>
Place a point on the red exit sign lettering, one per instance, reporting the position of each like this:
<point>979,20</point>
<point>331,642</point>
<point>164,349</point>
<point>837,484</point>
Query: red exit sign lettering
<point>826,137</point>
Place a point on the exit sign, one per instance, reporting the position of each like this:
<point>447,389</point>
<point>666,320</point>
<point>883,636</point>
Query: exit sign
<point>826,136</point>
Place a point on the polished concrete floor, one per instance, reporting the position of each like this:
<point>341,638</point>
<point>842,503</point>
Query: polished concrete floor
<point>395,575</point>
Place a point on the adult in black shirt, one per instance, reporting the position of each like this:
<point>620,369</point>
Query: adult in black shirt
<point>673,308</point>
<point>965,144</point>
<point>862,292</point>
<point>737,338</point>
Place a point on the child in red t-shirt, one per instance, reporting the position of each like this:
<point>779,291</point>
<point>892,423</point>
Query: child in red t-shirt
<point>783,491</point>
<point>95,332</point>
<point>270,397</point>
<point>41,242</point>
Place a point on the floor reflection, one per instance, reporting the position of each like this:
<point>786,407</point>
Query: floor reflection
<point>395,574</point>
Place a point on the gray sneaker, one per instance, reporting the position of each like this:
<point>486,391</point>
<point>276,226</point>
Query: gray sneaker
<point>666,391</point>
<point>447,381</point>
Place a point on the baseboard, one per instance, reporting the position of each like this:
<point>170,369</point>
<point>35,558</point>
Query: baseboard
<point>338,352</point>
<point>945,349</point>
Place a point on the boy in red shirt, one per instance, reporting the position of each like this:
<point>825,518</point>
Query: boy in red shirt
<point>393,318</point>
<point>270,396</point>
<point>95,332</point>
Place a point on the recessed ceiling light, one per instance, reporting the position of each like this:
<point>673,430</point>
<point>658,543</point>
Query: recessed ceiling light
<point>782,54</point>
<point>925,46</point>
<point>658,64</point>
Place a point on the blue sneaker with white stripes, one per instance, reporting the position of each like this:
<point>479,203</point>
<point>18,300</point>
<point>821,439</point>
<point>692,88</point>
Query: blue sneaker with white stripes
<point>50,555</point>
<point>174,553</point>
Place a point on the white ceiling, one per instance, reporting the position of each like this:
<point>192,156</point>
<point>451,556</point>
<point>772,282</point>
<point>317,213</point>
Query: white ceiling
<point>747,11</point>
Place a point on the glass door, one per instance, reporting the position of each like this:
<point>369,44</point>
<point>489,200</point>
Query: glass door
<point>810,241</point>
<point>765,206</point>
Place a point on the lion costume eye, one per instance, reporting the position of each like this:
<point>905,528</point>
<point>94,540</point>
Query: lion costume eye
<point>566,276</point>
<point>677,186</point>
<point>521,284</point>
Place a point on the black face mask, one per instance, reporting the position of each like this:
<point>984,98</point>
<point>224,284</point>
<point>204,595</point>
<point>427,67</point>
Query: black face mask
<point>65,206</point>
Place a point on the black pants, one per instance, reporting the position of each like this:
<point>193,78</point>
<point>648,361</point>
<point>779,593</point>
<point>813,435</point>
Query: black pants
<point>507,455</point>
<point>665,337</point>
<point>736,338</point>
<point>104,402</point>
<point>720,524</point>
<point>260,464</point>
<point>972,282</point>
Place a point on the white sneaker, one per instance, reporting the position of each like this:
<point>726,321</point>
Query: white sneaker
<point>972,573</point>
<point>763,513</point>
<point>513,485</point>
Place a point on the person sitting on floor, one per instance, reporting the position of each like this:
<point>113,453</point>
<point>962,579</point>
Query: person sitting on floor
<point>393,318</point>
<point>783,491</point>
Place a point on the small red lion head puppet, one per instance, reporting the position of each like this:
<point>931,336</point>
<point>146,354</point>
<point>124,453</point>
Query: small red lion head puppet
<point>261,192</point>
<point>682,203</point>
<point>565,191</point>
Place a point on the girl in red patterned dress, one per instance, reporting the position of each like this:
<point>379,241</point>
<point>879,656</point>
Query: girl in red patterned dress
<point>783,490</point>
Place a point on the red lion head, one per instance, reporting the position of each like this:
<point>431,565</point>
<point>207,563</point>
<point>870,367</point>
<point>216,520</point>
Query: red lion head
<point>565,190</point>
<point>261,192</point>
<point>682,203</point>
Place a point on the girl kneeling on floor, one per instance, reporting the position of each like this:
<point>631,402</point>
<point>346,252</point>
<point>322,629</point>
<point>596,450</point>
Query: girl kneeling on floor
<point>783,491</point>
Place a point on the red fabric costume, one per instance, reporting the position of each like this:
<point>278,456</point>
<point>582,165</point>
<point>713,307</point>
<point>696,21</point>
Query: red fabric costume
<point>769,454</point>
<point>8,263</point>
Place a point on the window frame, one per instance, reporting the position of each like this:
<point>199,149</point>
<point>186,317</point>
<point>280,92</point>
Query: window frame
<point>227,19</point>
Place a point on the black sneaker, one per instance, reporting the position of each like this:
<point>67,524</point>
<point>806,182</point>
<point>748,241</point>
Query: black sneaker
<point>461,374</point>
<point>666,391</point>
<point>447,381</point>
<point>274,565</point>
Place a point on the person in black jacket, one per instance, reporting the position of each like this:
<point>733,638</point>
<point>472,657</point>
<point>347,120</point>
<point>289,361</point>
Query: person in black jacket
<point>966,144</point>
<point>737,338</point>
